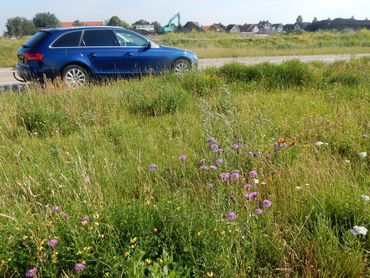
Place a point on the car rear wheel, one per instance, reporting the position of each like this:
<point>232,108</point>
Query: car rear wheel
<point>181,66</point>
<point>75,75</point>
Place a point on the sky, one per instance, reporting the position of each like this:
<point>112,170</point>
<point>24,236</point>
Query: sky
<point>205,12</point>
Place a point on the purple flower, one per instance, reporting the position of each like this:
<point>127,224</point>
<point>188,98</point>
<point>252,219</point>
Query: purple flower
<point>250,196</point>
<point>211,140</point>
<point>253,173</point>
<point>247,186</point>
<point>66,217</point>
<point>202,161</point>
<point>85,219</point>
<point>235,175</point>
<point>235,147</point>
<point>225,176</point>
<point>250,153</point>
<point>203,168</point>
<point>232,198</point>
<point>219,150</point>
<point>153,167</point>
<point>365,136</point>
<point>213,168</point>
<point>230,216</point>
<point>218,161</point>
<point>214,146</point>
<point>258,154</point>
<point>31,272</point>
<point>79,266</point>
<point>267,203</point>
<point>254,194</point>
<point>57,208</point>
<point>182,157</point>
<point>283,145</point>
<point>259,211</point>
<point>52,243</point>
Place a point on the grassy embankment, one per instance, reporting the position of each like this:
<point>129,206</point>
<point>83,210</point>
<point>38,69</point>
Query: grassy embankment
<point>74,167</point>
<point>216,45</point>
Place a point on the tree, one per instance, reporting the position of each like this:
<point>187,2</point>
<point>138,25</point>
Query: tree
<point>299,19</point>
<point>314,19</point>
<point>77,23</point>
<point>141,22</point>
<point>19,26</point>
<point>46,20</point>
<point>116,21</point>
<point>157,27</point>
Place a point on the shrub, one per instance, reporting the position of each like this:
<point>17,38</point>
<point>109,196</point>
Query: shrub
<point>201,84</point>
<point>344,78</point>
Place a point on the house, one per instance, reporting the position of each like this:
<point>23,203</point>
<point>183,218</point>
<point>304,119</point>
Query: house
<point>289,28</point>
<point>277,27</point>
<point>145,28</point>
<point>264,26</point>
<point>191,26</point>
<point>232,28</point>
<point>217,27</point>
<point>82,23</point>
<point>205,28</point>
<point>249,29</point>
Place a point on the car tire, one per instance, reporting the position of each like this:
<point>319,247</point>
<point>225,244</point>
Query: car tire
<point>75,75</point>
<point>181,66</point>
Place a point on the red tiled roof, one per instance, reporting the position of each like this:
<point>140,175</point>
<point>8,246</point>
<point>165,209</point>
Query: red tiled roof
<point>84,23</point>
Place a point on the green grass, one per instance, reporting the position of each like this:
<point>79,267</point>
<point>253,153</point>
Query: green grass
<point>88,149</point>
<point>218,45</point>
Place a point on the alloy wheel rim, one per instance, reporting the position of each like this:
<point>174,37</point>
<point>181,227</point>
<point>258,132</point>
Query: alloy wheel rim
<point>75,77</point>
<point>181,67</point>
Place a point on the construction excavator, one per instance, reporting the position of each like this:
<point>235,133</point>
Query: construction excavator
<point>171,26</point>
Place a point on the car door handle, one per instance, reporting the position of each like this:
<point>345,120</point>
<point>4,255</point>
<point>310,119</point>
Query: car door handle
<point>128,54</point>
<point>91,55</point>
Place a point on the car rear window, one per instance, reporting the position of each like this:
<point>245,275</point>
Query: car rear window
<point>99,38</point>
<point>71,39</point>
<point>36,39</point>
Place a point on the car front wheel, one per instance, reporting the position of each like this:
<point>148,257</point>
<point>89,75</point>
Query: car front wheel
<point>181,66</point>
<point>75,75</point>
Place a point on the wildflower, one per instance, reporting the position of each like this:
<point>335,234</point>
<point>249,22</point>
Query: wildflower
<point>31,272</point>
<point>256,181</point>
<point>365,136</point>
<point>258,154</point>
<point>219,150</point>
<point>211,185</point>
<point>225,176</point>
<point>214,146</point>
<point>52,243</point>
<point>126,254</point>
<point>79,267</point>
<point>298,188</point>
<point>213,168</point>
<point>230,216</point>
<point>232,198</point>
<point>133,240</point>
<point>210,274</point>
<point>320,143</point>
<point>235,147</point>
<point>153,167</point>
<point>211,140</point>
<point>365,198</point>
<point>218,161</point>
<point>182,157</point>
<point>148,261</point>
<point>362,154</point>
<point>347,161</point>
<point>84,220</point>
<point>57,208</point>
<point>235,175</point>
<point>223,233</point>
<point>247,186</point>
<point>267,203</point>
<point>250,153</point>
<point>259,211</point>
<point>358,230</point>
<point>253,173</point>
<point>66,217</point>
<point>203,168</point>
<point>202,161</point>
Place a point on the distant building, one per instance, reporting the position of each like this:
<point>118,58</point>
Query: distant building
<point>264,26</point>
<point>249,29</point>
<point>232,28</point>
<point>82,23</point>
<point>277,27</point>
<point>217,27</point>
<point>205,28</point>
<point>289,28</point>
<point>146,28</point>
<point>191,26</point>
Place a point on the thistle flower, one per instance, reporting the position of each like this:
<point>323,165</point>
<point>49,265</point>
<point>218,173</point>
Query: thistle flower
<point>230,216</point>
<point>258,154</point>
<point>203,168</point>
<point>235,175</point>
<point>251,154</point>
<point>84,220</point>
<point>225,176</point>
<point>235,147</point>
<point>79,267</point>
<point>182,157</point>
<point>218,161</point>
<point>57,208</point>
<point>211,140</point>
<point>253,173</point>
<point>202,161</point>
<point>267,203</point>
<point>259,211</point>
<point>247,186</point>
<point>31,272</point>
<point>213,168</point>
<point>152,167</point>
<point>52,243</point>
<point>358,230</point>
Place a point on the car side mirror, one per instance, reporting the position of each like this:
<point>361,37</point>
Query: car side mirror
<point>148,46</point>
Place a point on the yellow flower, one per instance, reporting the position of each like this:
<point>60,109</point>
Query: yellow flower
<point>155,230</point>
<point>210,274</point>
<point>84,222</point>
<point>126,254</point>
<point>24,237</point>
<point>223,232</point>
<point>160,260</point>
<point>148,261</point>
<point>96,223</point>
<point>133,240</point>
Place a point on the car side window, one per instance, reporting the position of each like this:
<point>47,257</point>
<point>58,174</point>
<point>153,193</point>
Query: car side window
<point>130,39</point>
<point>99,38</point>
<point>71,39</point>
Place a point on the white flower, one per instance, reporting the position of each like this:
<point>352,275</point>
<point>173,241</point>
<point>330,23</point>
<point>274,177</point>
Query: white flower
<point>358,230</point>
<point>347,161</point>
<point>320,143</point>
<point>365,198</point>
<point>256,181</point>
<point>362,154</point>
<point>298,188</point>
<point>263,183</point>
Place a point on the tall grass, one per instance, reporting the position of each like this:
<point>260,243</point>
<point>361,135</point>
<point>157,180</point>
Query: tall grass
<point>74,166</point>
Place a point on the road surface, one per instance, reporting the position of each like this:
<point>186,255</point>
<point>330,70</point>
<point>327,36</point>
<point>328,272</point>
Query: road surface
<point>7,80</point>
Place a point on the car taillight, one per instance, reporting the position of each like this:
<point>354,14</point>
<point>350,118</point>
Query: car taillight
<point>32,56</point>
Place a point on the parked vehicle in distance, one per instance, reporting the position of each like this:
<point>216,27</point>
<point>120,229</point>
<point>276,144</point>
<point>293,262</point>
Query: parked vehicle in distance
<point>81,54</point>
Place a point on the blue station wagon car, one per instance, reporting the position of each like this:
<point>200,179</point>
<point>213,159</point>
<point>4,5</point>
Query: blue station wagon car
<point>80,54</point>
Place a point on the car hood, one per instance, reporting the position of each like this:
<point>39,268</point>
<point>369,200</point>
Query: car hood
<point>173,48</point>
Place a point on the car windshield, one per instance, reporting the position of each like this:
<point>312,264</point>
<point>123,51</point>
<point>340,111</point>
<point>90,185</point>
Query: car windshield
<point>36,39</point>
<point>130,39</point>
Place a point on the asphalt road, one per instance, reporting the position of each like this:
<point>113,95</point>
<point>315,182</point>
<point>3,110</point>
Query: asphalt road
<point>7,80</point>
